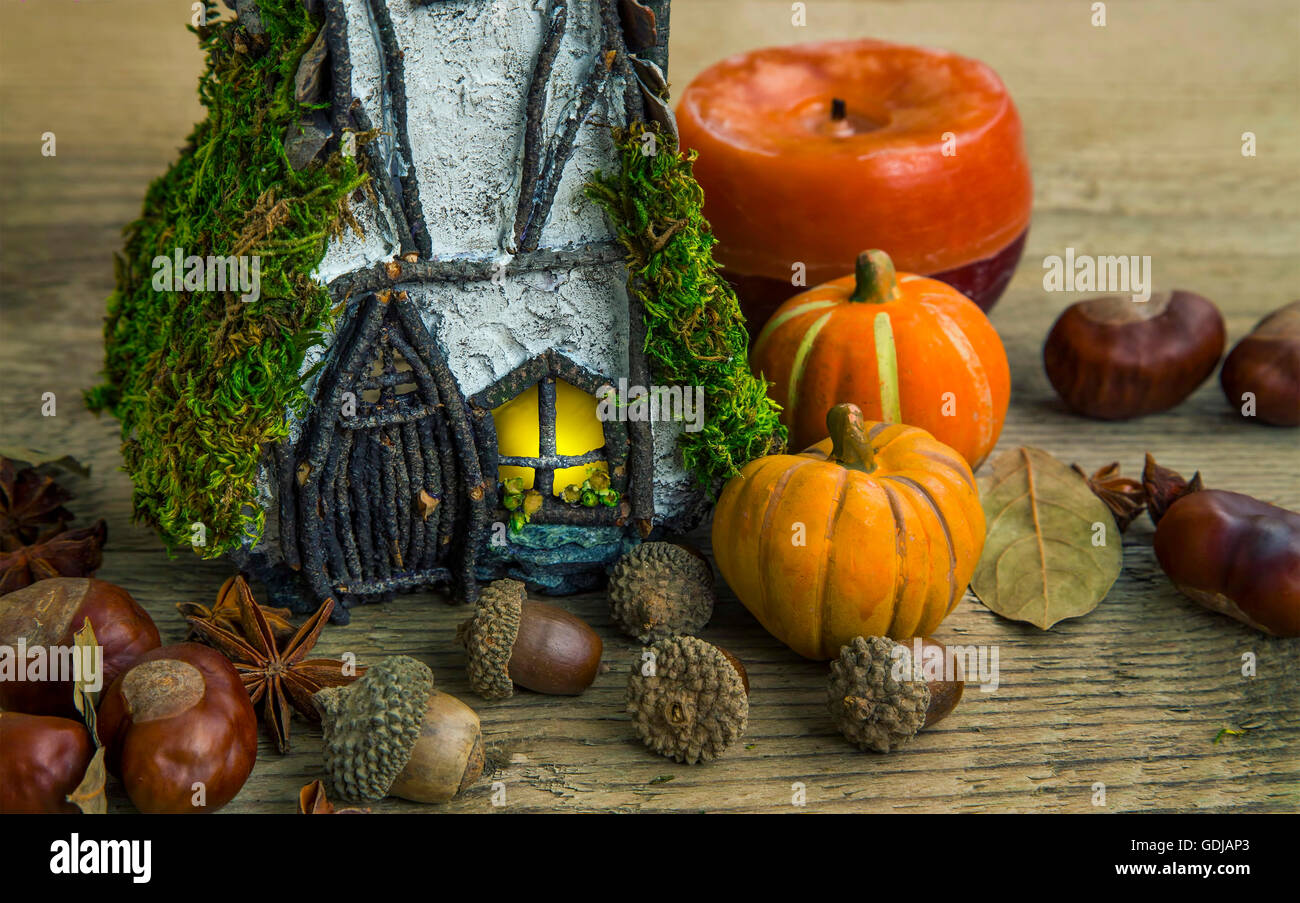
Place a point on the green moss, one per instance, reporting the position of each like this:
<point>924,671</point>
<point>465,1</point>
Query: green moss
<point>201,381</point>
<point>695,332</point>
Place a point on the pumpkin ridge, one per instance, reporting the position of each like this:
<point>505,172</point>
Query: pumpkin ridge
<point>828,560</point>
<point>900,546</point>
<point>951,463</point>
<point>876,431</point>
<point>975,367</point>
<point>947,533</point>
<point>765,531</point>
<point>801,357</point>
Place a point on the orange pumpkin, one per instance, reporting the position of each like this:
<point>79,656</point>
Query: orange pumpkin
<point>903,348</point>
<point>875,531</point>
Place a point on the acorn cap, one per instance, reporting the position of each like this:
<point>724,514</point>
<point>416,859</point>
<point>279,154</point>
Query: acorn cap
<point>687,701</point>
<point>869,705</point>
<point>660,589</point>
<point>371,725</point>
<point>489,637</point>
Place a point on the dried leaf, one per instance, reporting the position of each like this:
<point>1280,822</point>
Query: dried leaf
<point>83,696</point>
<point>89,796</point>
<point>1052,552</point>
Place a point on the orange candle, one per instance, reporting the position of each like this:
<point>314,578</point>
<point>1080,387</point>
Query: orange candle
<point>810,154</point>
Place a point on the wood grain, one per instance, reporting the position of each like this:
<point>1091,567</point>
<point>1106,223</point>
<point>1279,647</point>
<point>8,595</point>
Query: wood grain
<point>1134,132</point>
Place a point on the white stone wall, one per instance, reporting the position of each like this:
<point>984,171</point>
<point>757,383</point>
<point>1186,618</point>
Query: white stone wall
<point>468,64</point>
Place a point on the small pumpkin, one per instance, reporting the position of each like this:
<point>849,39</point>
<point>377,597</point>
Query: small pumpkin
<point>902,347</point>
<point>875,531</point>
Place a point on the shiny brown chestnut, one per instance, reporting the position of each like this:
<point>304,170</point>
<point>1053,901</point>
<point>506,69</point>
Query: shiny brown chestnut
<point>47,613</point>
<point>1113,358</point>
<point>1235,555</point>
<point>1266,364</point>
<point>44,759</point>
<point>179,730</point>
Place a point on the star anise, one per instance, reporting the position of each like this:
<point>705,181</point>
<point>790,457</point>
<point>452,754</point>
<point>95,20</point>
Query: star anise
<point>31,506</point>
<point>224,613</point>
<point>71,553</point>
<point>1165,486</point>
<point>273,677</point>
<point>1124,496</point>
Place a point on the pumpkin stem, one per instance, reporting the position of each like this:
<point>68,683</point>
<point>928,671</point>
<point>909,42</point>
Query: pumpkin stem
<point>876,280</point>
<point>849,445</point>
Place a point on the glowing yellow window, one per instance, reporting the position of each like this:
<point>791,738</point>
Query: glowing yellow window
<point>577,431</point>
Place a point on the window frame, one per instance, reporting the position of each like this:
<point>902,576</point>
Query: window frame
<point>542,371</point>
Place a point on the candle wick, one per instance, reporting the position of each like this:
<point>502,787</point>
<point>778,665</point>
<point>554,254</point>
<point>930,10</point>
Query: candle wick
<point>839,109</point>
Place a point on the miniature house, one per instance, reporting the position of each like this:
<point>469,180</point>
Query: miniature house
<point>484,309</point>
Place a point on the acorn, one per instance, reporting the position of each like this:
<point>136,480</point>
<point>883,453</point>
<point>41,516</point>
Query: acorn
<point>874,696</point>
<point>391,733</point>
<point>514,640</point>
<point>46,614</point>
<point>689,700</point>
<point>660,589</point>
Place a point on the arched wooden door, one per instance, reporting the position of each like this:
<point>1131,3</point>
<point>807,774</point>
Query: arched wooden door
<point>390,494</point>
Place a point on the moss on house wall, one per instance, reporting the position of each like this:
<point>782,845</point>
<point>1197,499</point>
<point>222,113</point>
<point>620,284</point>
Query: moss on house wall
<point>695,332</point>
<point>200,380</point>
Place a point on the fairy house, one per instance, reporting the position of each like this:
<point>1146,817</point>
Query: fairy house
<point>452,400</point>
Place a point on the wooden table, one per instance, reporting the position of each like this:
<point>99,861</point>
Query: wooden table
<point>1134,131</point>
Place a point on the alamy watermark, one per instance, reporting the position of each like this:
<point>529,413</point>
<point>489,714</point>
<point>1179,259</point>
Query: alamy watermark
<point>179,273</point>
<point>1108,273</point>
<point>973,664</point>
<point>42,664</point>
<point>75,856</point>
<point>639,404</point>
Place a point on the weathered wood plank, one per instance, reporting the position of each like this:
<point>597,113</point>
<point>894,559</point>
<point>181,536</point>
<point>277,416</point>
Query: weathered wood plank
<point>1134,133</point>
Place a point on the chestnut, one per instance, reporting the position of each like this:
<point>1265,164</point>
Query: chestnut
<point>1266,364</point>
<point>1113,358</point>
<point>179,730</point>
<point>44,760</point>
<point>1236,555</point>
<point>47,613</point>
